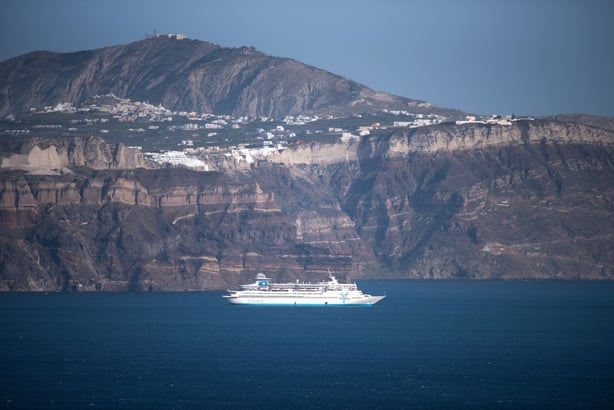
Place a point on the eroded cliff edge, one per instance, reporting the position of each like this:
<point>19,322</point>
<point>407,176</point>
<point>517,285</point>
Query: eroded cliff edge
<point>531,200</point>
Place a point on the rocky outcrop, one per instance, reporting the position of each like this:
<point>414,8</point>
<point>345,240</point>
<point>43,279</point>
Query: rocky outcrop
<point>203,77</point>
<point>467,137</point>
<point>317,154</point>
<point>532,200</point>
<point>54,157</point>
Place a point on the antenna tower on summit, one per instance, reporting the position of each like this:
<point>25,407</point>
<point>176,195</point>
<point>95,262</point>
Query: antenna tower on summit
<point>154,35</point>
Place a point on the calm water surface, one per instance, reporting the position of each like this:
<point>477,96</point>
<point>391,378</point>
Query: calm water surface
<point>428,345</point>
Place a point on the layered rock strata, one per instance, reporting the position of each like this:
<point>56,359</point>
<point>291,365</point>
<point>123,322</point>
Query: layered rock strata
<point>532,200</point>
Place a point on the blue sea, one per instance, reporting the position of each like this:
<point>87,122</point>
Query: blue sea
<point>428,345</point>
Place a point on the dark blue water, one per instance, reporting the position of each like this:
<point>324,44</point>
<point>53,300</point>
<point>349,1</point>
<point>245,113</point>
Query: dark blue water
<point>428,345</point>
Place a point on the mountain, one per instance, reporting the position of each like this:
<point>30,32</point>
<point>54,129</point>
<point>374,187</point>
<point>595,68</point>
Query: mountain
<point>189,75</point>
<point>486,198</point>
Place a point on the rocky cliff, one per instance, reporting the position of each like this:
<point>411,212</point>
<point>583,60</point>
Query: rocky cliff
<point>203,77</point>
<point>530,200</point>
<point>166,229</point>
<point>59,155</point>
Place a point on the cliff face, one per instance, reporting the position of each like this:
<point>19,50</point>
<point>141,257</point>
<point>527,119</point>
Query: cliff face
<point>58,156</point>
<point>205,78</point>
<point>533,200</point>
<point>168,229</point>
<point>530,200</point>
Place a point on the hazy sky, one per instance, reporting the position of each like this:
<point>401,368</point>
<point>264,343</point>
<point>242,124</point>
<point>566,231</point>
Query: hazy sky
<point>486,56</point>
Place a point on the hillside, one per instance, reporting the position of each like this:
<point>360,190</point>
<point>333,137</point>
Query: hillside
<point>189,75</point>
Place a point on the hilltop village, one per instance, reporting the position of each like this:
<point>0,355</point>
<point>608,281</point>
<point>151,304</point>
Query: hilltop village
<point>205,141</point>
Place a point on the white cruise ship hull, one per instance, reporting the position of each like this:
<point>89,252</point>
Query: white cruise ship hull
<point>330,293</point>
<point>267,298</point>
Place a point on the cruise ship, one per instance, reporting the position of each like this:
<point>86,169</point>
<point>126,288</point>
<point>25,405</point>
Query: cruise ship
<point>327,293</point>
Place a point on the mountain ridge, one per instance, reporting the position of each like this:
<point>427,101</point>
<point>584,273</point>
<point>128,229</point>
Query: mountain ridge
<point>189,75</point>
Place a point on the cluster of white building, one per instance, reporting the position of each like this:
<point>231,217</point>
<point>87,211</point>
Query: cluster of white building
<point>177,158</point>
<point>300,119</point>
<point>419,120</point>
<point>492,120</point>
<point>122,109</point>
<point>208,158</point>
